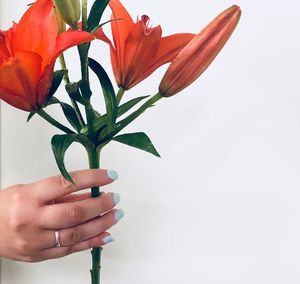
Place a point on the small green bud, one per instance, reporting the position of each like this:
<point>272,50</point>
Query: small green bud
<point>61,24</point>
<point>69,11</point>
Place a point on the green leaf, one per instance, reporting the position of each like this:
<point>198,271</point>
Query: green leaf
<point>129,105</point>
<point>30,116</point>
<point>56,81</point>
<point>71,116</point>
<point>60,144</point>
<point>108,92</point>
<point>73,91</point>
<point>100,121</point>
<point>96,13</point>
<point>137,140</point>
<point>51,101</point>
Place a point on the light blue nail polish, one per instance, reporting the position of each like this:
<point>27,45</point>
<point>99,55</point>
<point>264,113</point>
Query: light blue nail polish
<point>116,198</point>
<point>108,239</point>
<point>119,214</point>
<point>112,174</point>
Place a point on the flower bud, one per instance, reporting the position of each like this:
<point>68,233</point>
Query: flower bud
<point>69,11</point>
<point>199,53</point>
<point>61,24</point>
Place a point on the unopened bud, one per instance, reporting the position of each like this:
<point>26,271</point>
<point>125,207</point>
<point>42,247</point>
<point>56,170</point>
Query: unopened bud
<point>61,24</point>
<point>196,56</point>
<point>69,11</point>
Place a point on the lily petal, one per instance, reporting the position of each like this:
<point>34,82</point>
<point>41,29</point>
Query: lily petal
<point>169,48</point>
<point>4,54</point>
<point>24,71</point>
<point>121,26</point>
<point>140,47</point>
<point>113,54</point>
<point>68,39</point>
<point>37,30</point>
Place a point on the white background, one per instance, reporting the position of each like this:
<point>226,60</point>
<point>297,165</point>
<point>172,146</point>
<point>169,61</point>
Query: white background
<point>222,205</point>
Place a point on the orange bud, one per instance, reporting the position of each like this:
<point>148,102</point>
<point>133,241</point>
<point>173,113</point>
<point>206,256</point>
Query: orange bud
<point>198,54</point>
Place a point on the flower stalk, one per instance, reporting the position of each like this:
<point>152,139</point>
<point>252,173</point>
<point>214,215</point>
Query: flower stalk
<point>63,65</point>
<point>94,163</point>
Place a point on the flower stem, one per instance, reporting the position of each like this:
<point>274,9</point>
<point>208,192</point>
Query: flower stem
<point>54,122</point>
<point>120,95</point>
<point>63,65</point>
<point>84,15</point>
<point>94,162</point>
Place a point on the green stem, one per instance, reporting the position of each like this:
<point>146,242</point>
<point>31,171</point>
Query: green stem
<point>94,162</point>
<point>63,65</point>
<point>83,53</point>
<point>90,121</point>
<point>120,95</point>
<point>84,15</point>
<point>54,122</point>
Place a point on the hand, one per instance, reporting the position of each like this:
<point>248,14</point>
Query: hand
<point>34,217</point>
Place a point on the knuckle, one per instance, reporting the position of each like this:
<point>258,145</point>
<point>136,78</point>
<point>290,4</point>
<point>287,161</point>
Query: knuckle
<point>17,219</point>
<point>22,247</point>
<point>75,214</point>
<point>16,198</point>
<point>75,236</point>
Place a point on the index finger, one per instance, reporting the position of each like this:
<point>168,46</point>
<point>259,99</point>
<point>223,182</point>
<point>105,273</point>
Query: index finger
<point>57,186</point>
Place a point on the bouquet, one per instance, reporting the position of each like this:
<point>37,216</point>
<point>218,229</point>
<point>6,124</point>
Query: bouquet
<point>30,49</point>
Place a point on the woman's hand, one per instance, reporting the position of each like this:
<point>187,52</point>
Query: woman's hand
<point>36,218</point>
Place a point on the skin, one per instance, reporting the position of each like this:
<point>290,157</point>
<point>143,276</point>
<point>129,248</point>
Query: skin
<point>30,214</point>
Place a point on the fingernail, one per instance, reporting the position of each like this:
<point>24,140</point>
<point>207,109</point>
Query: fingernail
<point>119,214</point>
<point>112,174</point>
<point>116,198</point>
<point>107,240</point>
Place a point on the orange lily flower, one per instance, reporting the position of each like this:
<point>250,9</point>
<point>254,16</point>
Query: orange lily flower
<point>138,49</point>
<point>193,60</point>
<point>28,52</point>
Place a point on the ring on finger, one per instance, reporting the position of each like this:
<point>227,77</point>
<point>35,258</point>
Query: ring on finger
<point>57,238</point>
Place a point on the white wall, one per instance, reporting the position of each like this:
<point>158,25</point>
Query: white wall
<point>222,205</point>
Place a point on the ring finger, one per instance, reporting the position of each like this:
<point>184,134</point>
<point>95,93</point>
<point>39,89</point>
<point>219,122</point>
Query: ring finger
<point>85,231</point>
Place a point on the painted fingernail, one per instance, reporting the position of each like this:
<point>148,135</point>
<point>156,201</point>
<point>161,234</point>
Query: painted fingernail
<point>112,174</point>
<point>119,214</point>
<point>116,198</point>
<point>108,240</point>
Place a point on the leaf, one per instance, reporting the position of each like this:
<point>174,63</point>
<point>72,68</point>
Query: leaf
<point>100,120</point>
<point>56,81</point>
<point>51,101</point>
<point>137,140</point>
<point>71,116</point>
<point>60,144</point>
<point>30,116</point>
<point>73,91</point>
<point>96,13</point>
<point>129,105</point>
<point>108,92</point>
